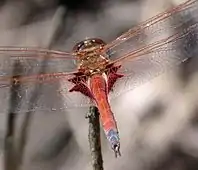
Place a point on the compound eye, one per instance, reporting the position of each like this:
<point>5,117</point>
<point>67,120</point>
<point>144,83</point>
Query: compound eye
<point>98,41</point>
<point>87,44</point>
<point>78,46</point>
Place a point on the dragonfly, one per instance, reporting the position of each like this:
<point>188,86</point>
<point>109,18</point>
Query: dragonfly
<point>94,72</point>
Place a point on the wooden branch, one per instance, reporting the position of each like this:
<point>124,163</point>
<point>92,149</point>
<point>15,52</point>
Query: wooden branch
<point>94,139</point>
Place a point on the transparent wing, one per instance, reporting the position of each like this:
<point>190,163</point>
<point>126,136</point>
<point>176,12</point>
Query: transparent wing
<point>145,63</point>
<point>44,92</point>
<point>29,51</point>
<point>154,29</point>
<point>34,80</point>
<point>33,59</point>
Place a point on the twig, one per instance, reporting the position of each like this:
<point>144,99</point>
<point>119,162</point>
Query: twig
<point>94,139</point>
<point>11,158</point>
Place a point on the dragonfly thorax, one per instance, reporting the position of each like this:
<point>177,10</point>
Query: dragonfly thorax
<point>89,57</point>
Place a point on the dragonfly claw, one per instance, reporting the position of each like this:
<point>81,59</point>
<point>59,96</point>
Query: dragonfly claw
<point>116,149</point>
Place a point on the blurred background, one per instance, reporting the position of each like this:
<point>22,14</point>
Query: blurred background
<point>157,120</point>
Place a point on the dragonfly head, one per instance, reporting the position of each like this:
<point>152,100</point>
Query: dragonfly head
<point>89,45</point>
<point>89,56</point>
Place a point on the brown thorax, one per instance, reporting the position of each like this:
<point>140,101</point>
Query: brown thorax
<point>90,60</point>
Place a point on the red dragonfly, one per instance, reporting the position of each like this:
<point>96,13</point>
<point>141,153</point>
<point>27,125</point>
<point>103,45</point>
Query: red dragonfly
<point>96,69</point>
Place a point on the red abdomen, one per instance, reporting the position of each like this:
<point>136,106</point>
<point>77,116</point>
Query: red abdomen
<point>98,87</point>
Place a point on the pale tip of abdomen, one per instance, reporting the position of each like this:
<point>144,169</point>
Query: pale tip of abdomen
<point>113,137</point>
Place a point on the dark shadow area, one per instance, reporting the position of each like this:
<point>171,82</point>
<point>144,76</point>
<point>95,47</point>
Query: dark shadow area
<point>178,160</point>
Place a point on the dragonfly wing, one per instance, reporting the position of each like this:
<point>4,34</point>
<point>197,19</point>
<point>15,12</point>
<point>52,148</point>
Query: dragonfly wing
<point>33,81</point>
<point>155,59</point>
<point>48,96</point>
<point>154,29</point>
<point>34,60</point>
